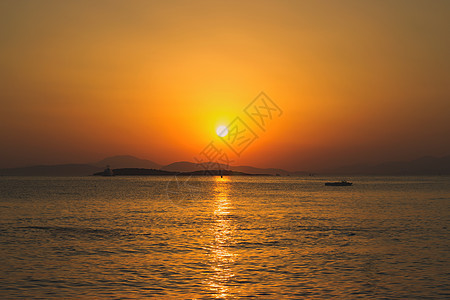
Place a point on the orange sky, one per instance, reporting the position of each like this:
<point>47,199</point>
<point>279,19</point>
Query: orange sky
<point>357,81</point>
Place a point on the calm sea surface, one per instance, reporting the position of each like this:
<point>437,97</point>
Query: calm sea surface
<point>225,238</point>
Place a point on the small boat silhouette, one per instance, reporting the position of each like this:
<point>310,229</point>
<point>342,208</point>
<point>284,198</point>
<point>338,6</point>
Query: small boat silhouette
<point>338,183</point>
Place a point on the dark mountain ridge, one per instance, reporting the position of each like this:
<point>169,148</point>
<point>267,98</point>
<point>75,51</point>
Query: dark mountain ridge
<point>427,165</point>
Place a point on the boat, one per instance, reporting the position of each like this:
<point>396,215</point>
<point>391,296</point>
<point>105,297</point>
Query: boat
<point>338,183</point>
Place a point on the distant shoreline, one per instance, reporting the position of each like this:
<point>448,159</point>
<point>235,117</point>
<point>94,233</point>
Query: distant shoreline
<point>155,172</point>
<point>132,166</point>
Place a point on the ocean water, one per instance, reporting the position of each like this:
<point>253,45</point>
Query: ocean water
<point>224,238</point>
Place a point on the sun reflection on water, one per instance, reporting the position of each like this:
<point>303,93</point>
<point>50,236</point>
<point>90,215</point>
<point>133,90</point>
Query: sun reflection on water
<point>221,259</point>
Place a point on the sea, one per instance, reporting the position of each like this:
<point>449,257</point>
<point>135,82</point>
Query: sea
<point>237,237</point>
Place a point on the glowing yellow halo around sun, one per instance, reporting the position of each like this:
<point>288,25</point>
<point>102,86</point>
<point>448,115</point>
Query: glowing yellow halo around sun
<point>222,131</point>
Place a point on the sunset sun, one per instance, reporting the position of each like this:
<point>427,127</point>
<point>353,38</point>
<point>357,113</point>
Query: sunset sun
<point>224,149</point>
<point>222,131</point>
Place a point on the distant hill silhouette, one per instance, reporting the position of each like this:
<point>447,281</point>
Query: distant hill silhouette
<point>153,172</point>
<point>253,170</point>
<point>126,161</point>
<point>184,166</point>
<point>136,172</point>
<point>422,166</point>
<point>427,165</point>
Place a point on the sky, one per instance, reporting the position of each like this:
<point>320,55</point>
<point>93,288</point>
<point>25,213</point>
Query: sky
<point>353,81</point>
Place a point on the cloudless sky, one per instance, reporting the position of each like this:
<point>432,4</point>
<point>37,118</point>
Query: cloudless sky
<point>357,81</point>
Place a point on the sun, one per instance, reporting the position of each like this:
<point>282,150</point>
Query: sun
<point>222,131</point>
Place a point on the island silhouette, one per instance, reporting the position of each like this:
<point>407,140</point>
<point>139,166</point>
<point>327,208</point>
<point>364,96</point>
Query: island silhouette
<point>155,172</point>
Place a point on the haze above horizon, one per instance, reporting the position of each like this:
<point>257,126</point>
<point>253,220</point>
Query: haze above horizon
<point>357,82</point>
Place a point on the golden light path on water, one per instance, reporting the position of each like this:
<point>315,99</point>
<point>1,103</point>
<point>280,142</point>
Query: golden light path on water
<point>223,238</point>
<point>221,259</point>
